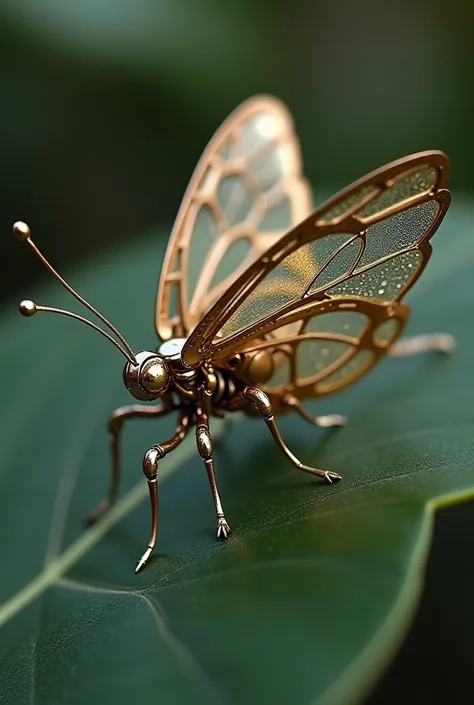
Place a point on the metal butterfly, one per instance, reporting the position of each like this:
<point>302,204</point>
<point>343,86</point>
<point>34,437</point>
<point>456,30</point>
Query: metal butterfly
<point>262,302</point>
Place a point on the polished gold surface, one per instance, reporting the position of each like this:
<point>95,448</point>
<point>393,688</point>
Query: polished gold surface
<point>203,441</point>
<point>247,190</point>
<point>150,470</point>
<point>346,256</point>
<point>205,450</point>
<point>115,425</point>
<point>262,403</point>
<point>148,376</point>
<point>256,368</point>
<point>155,375</point>
<point>21,231</point>
<point>27,308</point>
<point>327,421</point>
<point>281,304</point>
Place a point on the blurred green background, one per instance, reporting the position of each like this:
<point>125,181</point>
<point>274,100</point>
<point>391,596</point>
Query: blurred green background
<point>107,104</point>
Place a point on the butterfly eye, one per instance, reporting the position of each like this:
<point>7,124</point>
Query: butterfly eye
<point>148,378</point>
<point>155,375</point>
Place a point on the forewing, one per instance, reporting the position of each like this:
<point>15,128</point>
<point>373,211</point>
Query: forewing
<point>246,192</point>
<point>370,241</point>
<point>333,344</point>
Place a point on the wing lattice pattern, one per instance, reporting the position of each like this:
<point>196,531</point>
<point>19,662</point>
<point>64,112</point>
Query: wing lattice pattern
<point>331,345</point>
<point>379,262</point>
<point>369,242</point>
<point>246,192</point>
<point>325,299</point>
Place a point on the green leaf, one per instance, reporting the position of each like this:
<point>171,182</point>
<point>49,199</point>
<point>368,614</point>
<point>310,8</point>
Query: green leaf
<point>309,598</point>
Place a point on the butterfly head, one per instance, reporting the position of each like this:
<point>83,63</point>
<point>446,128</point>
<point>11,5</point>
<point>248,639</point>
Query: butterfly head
<point>148,377</point>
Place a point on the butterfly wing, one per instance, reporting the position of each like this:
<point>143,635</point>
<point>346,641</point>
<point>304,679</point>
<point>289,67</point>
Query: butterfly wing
<point>246,192</point>
<point>370,242</point>
<point>331,344</point>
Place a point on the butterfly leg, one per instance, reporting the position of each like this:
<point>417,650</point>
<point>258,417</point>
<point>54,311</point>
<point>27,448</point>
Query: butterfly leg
<point>322,421</point>
<point>150,470</point>
<point>205,448</point>
<point>115,424</point>
<point>264,408</point>
<point>438,342</point>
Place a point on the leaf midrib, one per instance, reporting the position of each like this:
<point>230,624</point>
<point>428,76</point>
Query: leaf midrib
<point>59,566</point>
<point>397,615</point>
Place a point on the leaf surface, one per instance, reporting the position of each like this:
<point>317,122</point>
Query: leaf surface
<point>315,589</point>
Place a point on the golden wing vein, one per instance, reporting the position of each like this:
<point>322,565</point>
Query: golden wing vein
<point>246,191</point>
<point>370,241</point>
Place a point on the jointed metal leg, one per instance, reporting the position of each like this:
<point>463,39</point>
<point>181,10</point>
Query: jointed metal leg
<point>150,470</point>
<point>321,421</point>
<point>115,424</point>
<point>438,342</point>
<point>263,406</point>
<point>204,446</point>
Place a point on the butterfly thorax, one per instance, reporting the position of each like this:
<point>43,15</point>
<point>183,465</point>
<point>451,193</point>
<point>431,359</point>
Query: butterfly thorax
<point>227,395</point>
<point>162,372</point>
<point>231,375</point>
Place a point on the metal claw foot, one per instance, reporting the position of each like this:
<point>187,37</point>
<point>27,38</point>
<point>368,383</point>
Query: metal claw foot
<point>144,559</point>
<point>327,476</point>
<point>331,477</point>
<point>223,528</point>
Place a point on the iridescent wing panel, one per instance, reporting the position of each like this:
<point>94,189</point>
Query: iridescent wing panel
<point>370,241</point>
<point>246,192</point>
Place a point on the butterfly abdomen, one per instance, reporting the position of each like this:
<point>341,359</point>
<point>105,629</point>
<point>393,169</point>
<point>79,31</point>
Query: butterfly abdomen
<point>227,389</point>
<point>249,368</point>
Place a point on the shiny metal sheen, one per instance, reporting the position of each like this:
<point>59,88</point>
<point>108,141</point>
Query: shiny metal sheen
<point>282,303</point>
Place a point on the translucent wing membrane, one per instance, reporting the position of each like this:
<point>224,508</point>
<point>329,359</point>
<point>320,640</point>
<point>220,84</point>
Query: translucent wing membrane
<point>370,201</point>
<point>366,246</point>
<point>379,262</point>
<point>245,193</point>
<point>332,344</point>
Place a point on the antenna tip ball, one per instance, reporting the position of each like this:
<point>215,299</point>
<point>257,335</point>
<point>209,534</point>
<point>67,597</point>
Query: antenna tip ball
<point>21,231</point>
<point>27,308</point>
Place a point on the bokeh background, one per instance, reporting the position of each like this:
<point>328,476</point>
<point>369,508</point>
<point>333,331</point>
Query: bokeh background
<point>107,105</point>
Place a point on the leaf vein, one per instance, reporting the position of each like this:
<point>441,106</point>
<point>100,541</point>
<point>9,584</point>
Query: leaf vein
<point>70,473</point>
<point>183,656</point>
<point>81,586</point>
<point>60,565</point>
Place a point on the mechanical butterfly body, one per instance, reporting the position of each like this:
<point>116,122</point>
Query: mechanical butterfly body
<point>288,304</point>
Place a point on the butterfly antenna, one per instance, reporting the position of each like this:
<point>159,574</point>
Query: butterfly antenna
<point>27,308</point>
